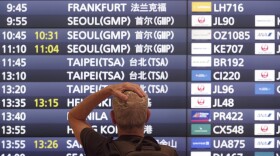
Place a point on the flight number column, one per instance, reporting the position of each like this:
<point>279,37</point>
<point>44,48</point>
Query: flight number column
<point>218,67</point>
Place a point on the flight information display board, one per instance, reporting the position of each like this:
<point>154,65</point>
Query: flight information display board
<point>210,69</point>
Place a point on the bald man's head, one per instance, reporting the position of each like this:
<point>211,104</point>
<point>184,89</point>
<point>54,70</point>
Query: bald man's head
<point>131,113</point>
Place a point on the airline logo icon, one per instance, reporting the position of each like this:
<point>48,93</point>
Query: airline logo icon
<point>200,102</point>
<point>201,6</point>
<point>200,129</point>
<point>264,142</point>
<point>264,115</point>
<point>264,20</point>
<point>264,129</point>
<point>201,48</point>
<point>266,34</point>
<point>200,116</point>
<point>201,34</point>
<point>201,20</point>
<point>201,143</point>
<point>264,48</point>
<point>264,75</point>
<point>264,153</point>
<point>201,88</point>
<point>201,61</point>
<point>201,153</point>
<point>201,75</point>
<point>264,89</point>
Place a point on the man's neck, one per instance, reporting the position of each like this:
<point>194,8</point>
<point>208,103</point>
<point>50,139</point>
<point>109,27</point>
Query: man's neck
<point>137,132</point>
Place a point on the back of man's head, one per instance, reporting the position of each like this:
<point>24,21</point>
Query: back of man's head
<point>132,113</point>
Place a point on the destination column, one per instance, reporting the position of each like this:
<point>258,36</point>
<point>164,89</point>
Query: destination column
<point>77,48</point>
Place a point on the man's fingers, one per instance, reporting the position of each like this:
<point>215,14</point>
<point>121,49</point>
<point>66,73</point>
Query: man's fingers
<point>140,92</point>
<point>136,88</point>
<point>120,88</point>
<point>121,95</point>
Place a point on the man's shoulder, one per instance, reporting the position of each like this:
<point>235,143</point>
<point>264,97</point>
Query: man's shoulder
<point>128,138</point>
<point>168,149</point>
<point>127,144</point>
<point>93,143</point>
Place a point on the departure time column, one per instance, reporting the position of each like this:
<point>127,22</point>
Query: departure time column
<point>12,64</point>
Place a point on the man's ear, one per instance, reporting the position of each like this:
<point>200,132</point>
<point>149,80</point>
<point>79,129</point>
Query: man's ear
<point>112,114</point>
<point>148,115</point>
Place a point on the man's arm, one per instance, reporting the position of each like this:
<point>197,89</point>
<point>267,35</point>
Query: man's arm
<point>77,115</point>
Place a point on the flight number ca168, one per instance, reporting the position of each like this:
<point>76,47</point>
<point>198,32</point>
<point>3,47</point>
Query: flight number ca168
<point>227,154</point>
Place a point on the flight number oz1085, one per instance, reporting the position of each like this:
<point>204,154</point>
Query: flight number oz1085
<point>231,35</point>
